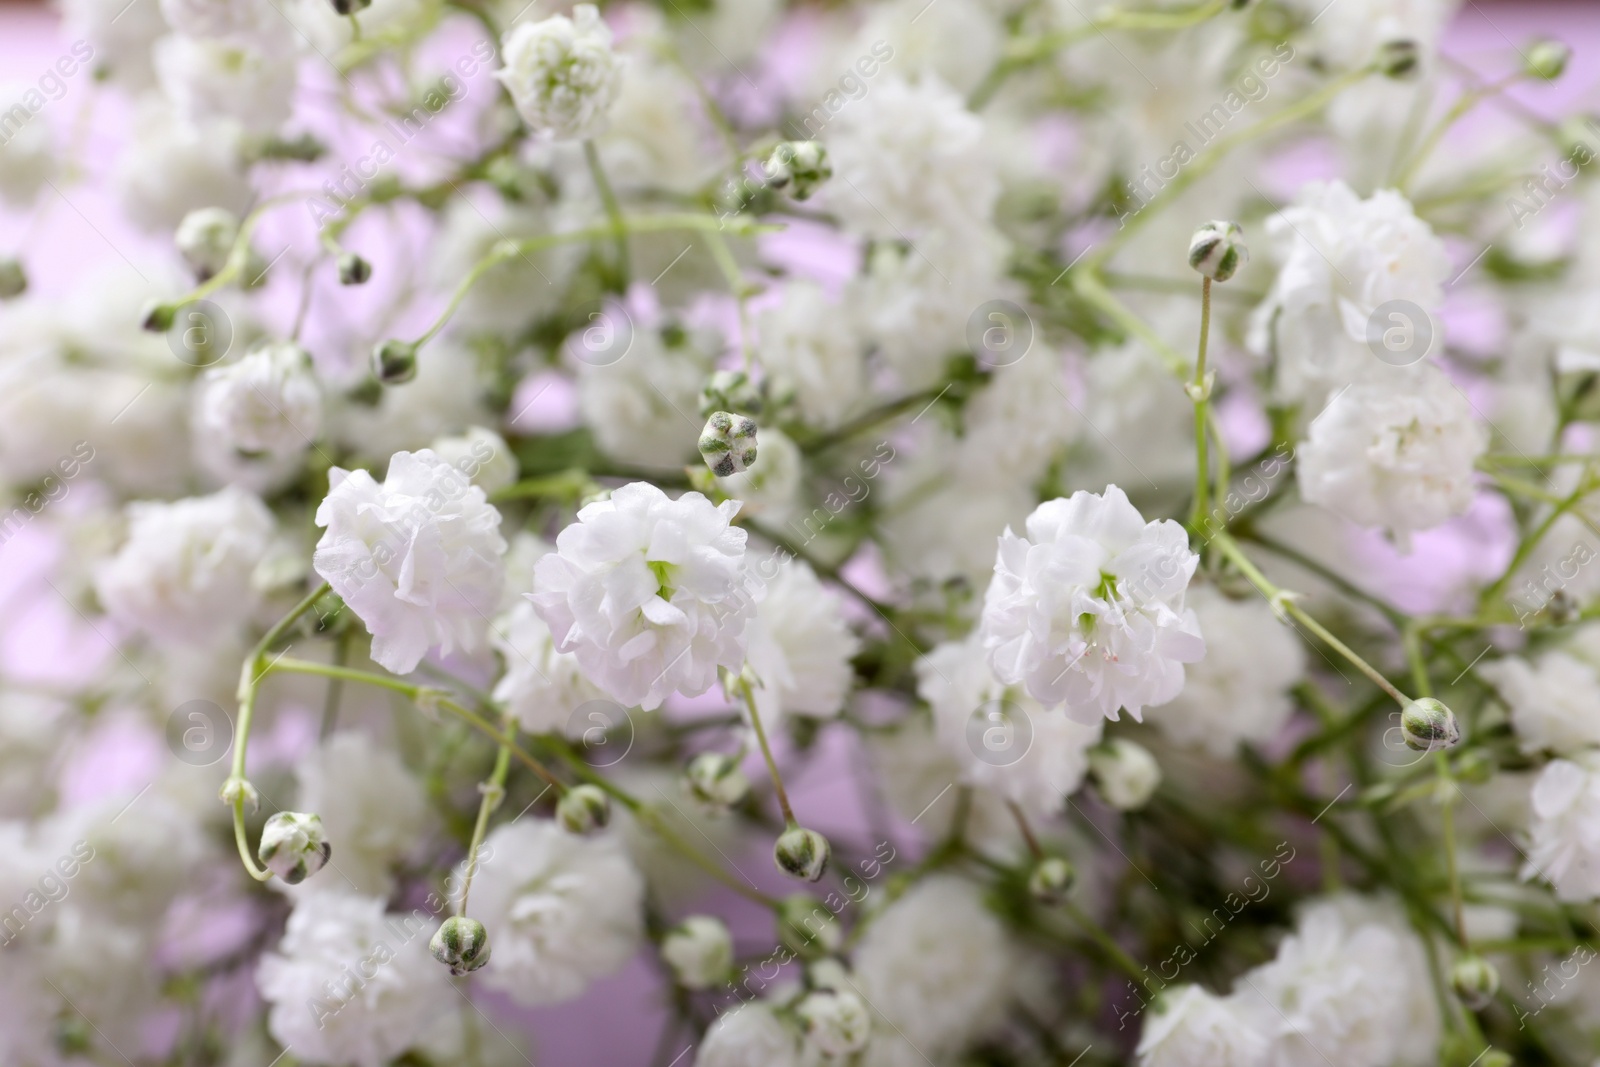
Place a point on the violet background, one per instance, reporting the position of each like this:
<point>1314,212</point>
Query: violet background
<point>76,234</point>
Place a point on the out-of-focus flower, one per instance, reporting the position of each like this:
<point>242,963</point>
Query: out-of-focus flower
<point>562,73</point>
<point>268,402</point>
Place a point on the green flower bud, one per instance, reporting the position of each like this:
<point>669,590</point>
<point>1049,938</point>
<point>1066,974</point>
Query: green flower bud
<point>1050,880</point>
<point>1428,725</point>
<point>159,317</point>
<point>1546,59</point>
<point>716,779</point>
<point>584,809</point>
<point>13,279</point>
<point>802,853</point>
<point>1475,981</point>
<point>700,952</point>
<point>837,1022</point>
<point>1217,250</point>
<point>353,270</point>
<point>294,846</point>
<point>800,167</point>
<point>460,943</point>
<point>728,390</point>
<point>1125,772</point>
<point>394,362</point>
<point>807,928</point>
<point>1398,59</point>
<point>728,443</point>
<point>205,239</point>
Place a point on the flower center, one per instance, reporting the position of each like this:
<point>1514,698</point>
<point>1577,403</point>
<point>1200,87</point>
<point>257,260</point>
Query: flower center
<point>663,572</point>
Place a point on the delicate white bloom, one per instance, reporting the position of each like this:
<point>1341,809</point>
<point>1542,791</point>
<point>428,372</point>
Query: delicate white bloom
<point>1399,454</point>
<point>205,239</point>
<point>1351,983</point>
<point>640,406</point>
<point>27,148</point>
<point>1555,698</point>
<point>482,455</point>
<point>837,1022</point>
<point>748,1036</point>
<point>907,158</point>
<point>183,575</point>
<point>1240,691</point>
<point>219,18</point>
<point>770,489</point>
<point>1125,772</point>
<point>800,646</point>
<point>653,137</point>
<point>941,518</point>
<point>416,556</point>
<point>250,81</point>
<point>541,686</point>
<point>1565,849</point>
<point>648,593</point>
<point>958,42</point>
<point>1351,36</point>
<point>268,402</point>
<point>936,965</point>
<point>810,353</point>
<point>349,984</point>
<point>1144,414</point>
<point>700,952</point>
<point>33,732</point>
<point>1003,740</point>
<point>562,73</point>
<point>1088,608</point>
<point>1017,424</point>
<point>1193,1028</point>
<point>172,166</point>
<point>133,866</point>
<point>561,910</point>
<point>116,37</point>
<point>373,811</point>
<point>1342,257</point>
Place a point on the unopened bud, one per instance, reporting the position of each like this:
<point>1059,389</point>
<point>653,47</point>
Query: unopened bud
<point>294,846</point>
<point>727,390</point>
<point>716,779</point>
<point>1475,981</point>
<point>807,928</point>
<point>1546,59</point>
<point>1126,773</point>
<point>836,1022</point>
<point>1050,879</point>
<point>700,952</point>
<point>584,809</point>
<point>237,790</point>
<point>350,7</point>
<point>1217,250</point>
<point>460,943</point>
<point>728,443</point>
<point>13,279</point>
<point>158,317</point>
<point>205,239</point>
<point>394,362</point>
<point>802,853</point>
<point>798,167</point>
<point>1398,59</point>
<point>1428,725</point>
<point>353,270</point>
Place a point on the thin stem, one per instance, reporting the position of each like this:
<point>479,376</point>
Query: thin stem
<point>1283,602</point>
<point>608,198</point>
<point>749,695</point>
<point>1448,786</point>
<point>1119,956</point>
<point>1027,831</point>
<point>1200,393</point>
<point>330,704</point>
<point>494,791</point>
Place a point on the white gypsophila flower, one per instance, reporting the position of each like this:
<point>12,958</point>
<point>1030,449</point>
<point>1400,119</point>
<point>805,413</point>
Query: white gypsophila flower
<point>416,556</point>
<point>639,407</point>
<point>513,293</point>
<point>249,81</point>
<point>1144,414</point>
<point>1240,691</point>
<point>936,966</point>
<point>837,1022</point>
<point>1125,773</point>
<point>750,1035</point>
<point>349,984</point>
<point>220,19</point>
<point>183,575</point>
<point>562,73</point>
<point>374,812</point>
<point>800,644</point>
<point>1351,983</point>
<point>133,866</point>
<point>770,488</point>
<point>649,593</point>
<point>561,910</point>
<point>445,397</point>
<point>1565,830</point>
<point>541,687</point>
<point>481,454</point>
<point>1342,258</point>
<point>268,402</point>
<point>653,138</point>
<point>1553,698</point>
<point>1194,1028</point>
<point>700,951</point>
<point>1021,420</point>
<point>205,239</point>
<point>1351,36</point>
<point>941,517</point>
<point>173,166</point>
<point>810,352</point>
<point>27,147</point>
<point>33,733</point>
<point>114,38</point>
<point>907,159</point>
<point>1088,608</point>
<point>1399,454</point>
<point>1003,741</point>
<point>958,42</point>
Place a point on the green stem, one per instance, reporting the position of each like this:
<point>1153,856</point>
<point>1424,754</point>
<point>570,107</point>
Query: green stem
<point>608,198</point>
<point>494,791</point>
<point>748,692</point>
<point>1200,393</point>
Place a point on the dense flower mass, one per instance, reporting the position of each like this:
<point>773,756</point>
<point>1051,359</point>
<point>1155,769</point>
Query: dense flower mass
<point>778,533</point>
